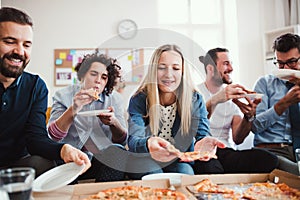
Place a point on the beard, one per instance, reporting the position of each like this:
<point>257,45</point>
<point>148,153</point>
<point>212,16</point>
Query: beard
<point>12,71</point>
<point>220,79</point>
<point>226,81</point>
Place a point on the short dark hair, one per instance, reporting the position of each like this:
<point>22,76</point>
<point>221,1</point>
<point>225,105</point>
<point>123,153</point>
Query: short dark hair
<point>211,57</point>
<point>111,66</point>
<point>286,42</point>
<point>8,14</point>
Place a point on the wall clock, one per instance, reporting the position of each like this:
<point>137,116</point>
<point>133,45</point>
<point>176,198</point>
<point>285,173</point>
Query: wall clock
<point>127,29</point>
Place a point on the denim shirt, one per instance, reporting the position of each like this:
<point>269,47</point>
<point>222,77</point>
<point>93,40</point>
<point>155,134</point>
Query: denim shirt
<point>139,130</point>
<point>269,127</point>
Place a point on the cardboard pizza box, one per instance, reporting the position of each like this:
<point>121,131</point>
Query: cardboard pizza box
<point>276,176</point>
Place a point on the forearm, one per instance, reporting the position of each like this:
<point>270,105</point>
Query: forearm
<point>119,134</point>
<point>65,120</point>
<point>281,106</point>
<point>210,106</point>
<point>242,131</point>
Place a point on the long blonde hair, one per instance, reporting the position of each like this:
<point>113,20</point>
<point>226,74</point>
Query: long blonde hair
<point>184,92</point>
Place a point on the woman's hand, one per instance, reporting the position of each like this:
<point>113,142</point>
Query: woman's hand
<point>209,145</point>
<point>70,154</point>
<point>158,149</point>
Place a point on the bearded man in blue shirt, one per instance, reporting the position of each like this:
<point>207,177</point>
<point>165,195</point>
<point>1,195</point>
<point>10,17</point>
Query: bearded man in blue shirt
<point>24,141</point>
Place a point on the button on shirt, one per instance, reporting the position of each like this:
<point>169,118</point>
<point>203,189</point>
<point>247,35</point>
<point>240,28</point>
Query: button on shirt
<point>269,127</point>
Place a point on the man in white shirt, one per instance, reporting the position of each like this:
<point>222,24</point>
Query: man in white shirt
<point>230,119</point>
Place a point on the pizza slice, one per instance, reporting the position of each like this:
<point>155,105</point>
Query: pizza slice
<point>93,93</point>
<point>196,155</point>
<point>249,91</point>
<point>208,186</point>
<point>190,156</point>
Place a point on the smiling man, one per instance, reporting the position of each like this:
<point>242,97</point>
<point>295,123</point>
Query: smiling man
<point>230,119</point>
<point>276,127</point>
<point>23,102</point>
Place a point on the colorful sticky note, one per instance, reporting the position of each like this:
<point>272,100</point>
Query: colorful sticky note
<point>69,57</point>
<point>62,55</point>
<point>130,57</point>
<point>72,52</point>
<point>58,61</point>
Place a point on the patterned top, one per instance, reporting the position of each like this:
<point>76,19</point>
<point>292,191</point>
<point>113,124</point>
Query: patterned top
<point>167,114</point>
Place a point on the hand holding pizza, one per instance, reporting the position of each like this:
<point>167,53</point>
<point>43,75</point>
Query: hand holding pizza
<point>158,151</point>
<point>84,97</point>
<point>208,145</point>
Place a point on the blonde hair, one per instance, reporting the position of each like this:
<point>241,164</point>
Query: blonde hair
<point>184,92</point>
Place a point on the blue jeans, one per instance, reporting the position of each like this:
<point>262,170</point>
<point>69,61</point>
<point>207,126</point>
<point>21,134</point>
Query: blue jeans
<point>151,166</point>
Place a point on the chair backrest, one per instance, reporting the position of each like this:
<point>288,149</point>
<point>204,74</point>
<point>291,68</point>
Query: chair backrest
<point>48,114</point>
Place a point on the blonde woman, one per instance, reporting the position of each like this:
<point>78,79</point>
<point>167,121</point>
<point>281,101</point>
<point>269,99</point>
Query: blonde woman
<point>167,108</point>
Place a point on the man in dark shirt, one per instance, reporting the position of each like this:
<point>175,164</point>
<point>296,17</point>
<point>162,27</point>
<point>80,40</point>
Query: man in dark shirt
<point>23,96</point>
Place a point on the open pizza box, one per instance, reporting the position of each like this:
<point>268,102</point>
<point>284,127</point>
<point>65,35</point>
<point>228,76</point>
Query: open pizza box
<point>276,176</point>
<point>238,181</point>
<point>82,191</point>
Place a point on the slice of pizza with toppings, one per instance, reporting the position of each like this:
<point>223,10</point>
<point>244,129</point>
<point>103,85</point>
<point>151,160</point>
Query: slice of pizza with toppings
<point>208,186</point>
<point>196,155</point>
<point>190,156</point>
<point>271,191</point>
<point>93,93</point>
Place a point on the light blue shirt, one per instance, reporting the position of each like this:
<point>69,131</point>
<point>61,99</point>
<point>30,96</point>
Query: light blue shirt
<point>269,127</point>
<point>84,127</point>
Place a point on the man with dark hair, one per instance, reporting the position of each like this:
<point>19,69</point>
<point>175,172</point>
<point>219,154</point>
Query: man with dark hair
<point>276,127</point>
<point>24,139</point>
<point>230,119</point>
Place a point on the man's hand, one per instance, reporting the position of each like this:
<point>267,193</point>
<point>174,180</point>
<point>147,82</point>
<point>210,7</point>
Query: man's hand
<point>209,144</point>
<point>70,154</point>
<point>158,149</point>
<point>248,109</point>
<point>231,91</point>
<point>292,97</point>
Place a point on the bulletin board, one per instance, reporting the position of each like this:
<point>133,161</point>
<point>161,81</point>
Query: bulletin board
<point>130,60</point>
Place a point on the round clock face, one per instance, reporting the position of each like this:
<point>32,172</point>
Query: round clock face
<point>127,29</point>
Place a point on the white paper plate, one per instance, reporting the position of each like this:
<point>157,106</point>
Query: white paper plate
<point>286,74</point>
<point>92,112</point>
<point>57,177</point>
<point>174,178</point>
<point>254,95</point>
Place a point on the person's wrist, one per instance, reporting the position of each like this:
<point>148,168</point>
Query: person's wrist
<point>249,117</point>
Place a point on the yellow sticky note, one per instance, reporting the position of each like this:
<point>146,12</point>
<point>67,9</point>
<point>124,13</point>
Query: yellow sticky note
<point>62,55</point>
<point>130,57</point>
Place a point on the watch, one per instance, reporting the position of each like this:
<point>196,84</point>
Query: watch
<point>250,118</point>
<point>127,29</point>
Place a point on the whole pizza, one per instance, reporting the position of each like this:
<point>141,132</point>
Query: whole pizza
<point>138,192</point>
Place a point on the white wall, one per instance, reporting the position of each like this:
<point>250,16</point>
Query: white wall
<point>89,23</point>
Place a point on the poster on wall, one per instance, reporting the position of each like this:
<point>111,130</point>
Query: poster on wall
<point>63,76</point>
<point>65,61</point>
